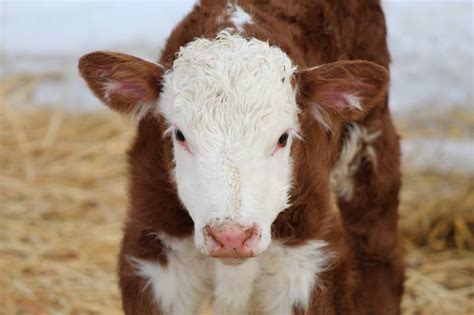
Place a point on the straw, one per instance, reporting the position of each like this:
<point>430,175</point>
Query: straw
<point>63,201</point>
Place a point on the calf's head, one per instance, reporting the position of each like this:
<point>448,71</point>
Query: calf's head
<point>231,109</point>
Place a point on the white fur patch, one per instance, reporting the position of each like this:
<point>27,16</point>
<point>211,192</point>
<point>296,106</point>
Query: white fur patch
<point>239,17</point>
<point>109,88</point>
<point>356,145</point>
<point>288,276</point>
<point>184,283</point>
<point>232,98</point>
<point>234,286</point>
<point>321,116</point>
<point>273,283</point>
<point>353,100</point>
<point>141,110</point>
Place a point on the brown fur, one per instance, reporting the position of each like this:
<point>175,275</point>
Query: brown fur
<point>366,276</point>
<point>140,80</point>
<point>324,86</point>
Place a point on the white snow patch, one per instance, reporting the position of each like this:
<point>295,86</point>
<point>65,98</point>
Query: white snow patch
<point>432,57</point>
<point>440,154</point>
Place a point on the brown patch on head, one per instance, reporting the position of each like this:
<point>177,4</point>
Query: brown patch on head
<point>153,197</point>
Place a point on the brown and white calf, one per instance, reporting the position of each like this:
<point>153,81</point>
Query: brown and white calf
<point>259,119</point>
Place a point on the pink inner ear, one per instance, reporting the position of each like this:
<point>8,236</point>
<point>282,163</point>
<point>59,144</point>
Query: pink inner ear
<point>346,95</point>
<point>336,98</point>
<point>342,99</point>
<point>125,89</point>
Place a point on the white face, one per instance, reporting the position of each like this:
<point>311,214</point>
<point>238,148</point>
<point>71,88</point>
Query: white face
<point>229,103</point>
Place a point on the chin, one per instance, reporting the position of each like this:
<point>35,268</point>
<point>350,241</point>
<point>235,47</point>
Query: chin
<point>233,261</point>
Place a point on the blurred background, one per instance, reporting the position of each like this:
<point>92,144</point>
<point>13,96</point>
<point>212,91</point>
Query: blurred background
<point>62,168</point>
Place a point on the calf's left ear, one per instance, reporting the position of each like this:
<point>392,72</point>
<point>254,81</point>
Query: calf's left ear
<point>341,91</point>
<point>124,83</point>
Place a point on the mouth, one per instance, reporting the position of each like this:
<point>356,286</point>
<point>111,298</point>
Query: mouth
<point>232,261</point>
<point>231,253</point>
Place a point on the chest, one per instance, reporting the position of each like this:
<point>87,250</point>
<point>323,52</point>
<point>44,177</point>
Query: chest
<point>273,283</point>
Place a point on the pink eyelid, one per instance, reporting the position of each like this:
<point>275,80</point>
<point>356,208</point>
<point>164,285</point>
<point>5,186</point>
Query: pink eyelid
<point>184,144</point>
<point>277,146</point>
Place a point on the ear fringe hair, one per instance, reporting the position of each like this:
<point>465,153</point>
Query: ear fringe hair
<point>322,117</point>
<point>141,110</point>
<point>169,131</point>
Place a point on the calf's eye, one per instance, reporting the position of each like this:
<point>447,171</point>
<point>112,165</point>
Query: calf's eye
<point>179,136</point>
<point>283,139</point>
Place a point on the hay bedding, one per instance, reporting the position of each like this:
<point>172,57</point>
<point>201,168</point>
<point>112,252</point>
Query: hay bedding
<point>62,197</point>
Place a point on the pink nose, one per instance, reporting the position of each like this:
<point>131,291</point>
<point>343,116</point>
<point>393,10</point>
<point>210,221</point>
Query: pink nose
<point>232,240</point>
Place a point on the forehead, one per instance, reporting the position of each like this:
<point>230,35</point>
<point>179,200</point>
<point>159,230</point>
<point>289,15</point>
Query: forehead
<point>229,81</point>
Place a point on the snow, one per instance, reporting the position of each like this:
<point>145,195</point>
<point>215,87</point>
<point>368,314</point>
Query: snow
<point>446,155</point>
<point>51,35</point>
<point>50,27</point>
<point>431,43</point>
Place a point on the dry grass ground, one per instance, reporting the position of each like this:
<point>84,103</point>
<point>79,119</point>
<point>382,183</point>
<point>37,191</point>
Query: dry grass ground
<point>63,198</point>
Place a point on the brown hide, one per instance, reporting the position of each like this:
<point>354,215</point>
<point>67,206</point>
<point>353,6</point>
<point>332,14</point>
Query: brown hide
<point>366,276</point>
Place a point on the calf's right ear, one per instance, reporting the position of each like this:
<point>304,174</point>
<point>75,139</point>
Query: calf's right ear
<point>125,83</point>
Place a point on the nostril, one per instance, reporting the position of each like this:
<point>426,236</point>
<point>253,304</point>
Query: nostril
<point>253,237</point>
<point>211,236</point>
<point>229,235</point>
<point>248,234</point>
<point>232,240</point>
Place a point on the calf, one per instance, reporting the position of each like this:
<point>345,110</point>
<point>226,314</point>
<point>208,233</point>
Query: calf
<point>258,123</point>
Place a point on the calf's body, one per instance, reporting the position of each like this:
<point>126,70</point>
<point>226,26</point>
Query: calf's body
<point>333,246</point>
